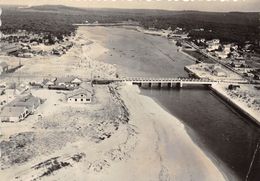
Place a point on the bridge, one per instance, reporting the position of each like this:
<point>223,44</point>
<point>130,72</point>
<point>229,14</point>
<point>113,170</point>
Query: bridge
<point>161,82</point>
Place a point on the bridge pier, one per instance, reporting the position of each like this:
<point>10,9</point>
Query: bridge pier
<point>180,84</point>
<point>174,82</point>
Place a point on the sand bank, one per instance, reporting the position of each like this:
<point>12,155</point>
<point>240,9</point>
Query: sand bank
<point>164,150</point>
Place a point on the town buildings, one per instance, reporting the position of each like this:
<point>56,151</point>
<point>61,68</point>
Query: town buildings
<point>213,45</point>
<point>69,81</point>
<point>19,108</point>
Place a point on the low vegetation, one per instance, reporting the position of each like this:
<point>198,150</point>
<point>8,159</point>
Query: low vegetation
<point>58,20</point>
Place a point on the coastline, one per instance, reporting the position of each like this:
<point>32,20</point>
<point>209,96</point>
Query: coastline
<point>178,135</point>
<point>225,170</point>
<point>163,142</point>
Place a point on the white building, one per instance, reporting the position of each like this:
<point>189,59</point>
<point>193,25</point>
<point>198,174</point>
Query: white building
<point>69,81</point>
<point>213,44</point>
<point>82,95</point>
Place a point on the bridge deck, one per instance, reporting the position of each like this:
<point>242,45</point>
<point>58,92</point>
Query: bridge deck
<point>167,80</point>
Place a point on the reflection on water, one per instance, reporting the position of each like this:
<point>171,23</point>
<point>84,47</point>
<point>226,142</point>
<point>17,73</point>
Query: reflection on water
<point>229,136</point>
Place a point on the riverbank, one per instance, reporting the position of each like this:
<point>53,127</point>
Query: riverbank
<point>245,98</point>
<point>253,114</point>
<point>163,138</point>
<point>139,55</point>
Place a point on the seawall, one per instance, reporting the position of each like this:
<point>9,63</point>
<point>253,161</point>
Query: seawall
<point>228,100</point>
<point>235,105</point>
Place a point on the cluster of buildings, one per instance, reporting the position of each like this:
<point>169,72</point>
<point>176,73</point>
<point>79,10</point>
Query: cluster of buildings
<point>178,33</point>
<point>78,91</point>
<point>232,55</point>
<point>62,83</point>
<point>20,108</point>
<point>223,51</point>
<point>61,49</point>
<point>17,103</point>
<point>21,44</point>
<point>22,36</point>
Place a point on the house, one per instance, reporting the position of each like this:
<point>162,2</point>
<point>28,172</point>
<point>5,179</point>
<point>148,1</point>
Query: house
<point>69,81</point>
<point>11,48</point>
<point>82,95</point>
<point>214,41</point>
<point>76,81</point>
<point>13,114</point>
<point>29,102</point>
<point>48,82</point>
<point>213,44</point>
<point>238,63</point>
<point>3,67</point>
<point>221,55</point>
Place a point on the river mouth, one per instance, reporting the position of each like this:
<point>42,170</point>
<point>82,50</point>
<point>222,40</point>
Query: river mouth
<point>214,125</point>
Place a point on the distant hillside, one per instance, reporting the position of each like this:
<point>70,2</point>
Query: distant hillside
<point>58,19</point>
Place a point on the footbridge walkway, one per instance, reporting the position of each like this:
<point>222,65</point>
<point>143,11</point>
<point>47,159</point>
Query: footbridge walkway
<point>162,82</point>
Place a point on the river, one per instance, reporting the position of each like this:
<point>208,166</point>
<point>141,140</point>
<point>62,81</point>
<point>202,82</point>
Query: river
<point>229,138</point>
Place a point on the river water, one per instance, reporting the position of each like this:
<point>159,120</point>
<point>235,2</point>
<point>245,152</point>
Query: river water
<point>229,138</point>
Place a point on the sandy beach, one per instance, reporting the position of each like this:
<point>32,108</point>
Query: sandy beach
<point>157,148</point>
<point>178,158</point>
<point>123,135</point>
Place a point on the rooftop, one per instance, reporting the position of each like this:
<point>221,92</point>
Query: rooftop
<point>25,101</point>
<point>12,111</point>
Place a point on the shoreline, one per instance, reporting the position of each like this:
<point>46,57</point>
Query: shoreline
<point>224,169</point>
<point>235,104</point>
<point>206,156</point>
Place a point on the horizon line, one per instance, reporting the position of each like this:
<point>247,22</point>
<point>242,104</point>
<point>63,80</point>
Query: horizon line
<point>124,8</point>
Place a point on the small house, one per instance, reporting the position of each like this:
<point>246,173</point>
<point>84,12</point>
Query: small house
<point>30,102</point>
<point>19,108</point>
<point>76,81</point>
<point>238,63</point>
<point>69,81</point>
<point>13,114</point>
<point>48,82</point>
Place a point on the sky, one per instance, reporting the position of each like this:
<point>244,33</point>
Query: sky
<point>201,5</point>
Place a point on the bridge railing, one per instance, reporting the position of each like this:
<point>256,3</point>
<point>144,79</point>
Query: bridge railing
<point>148,79</point>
